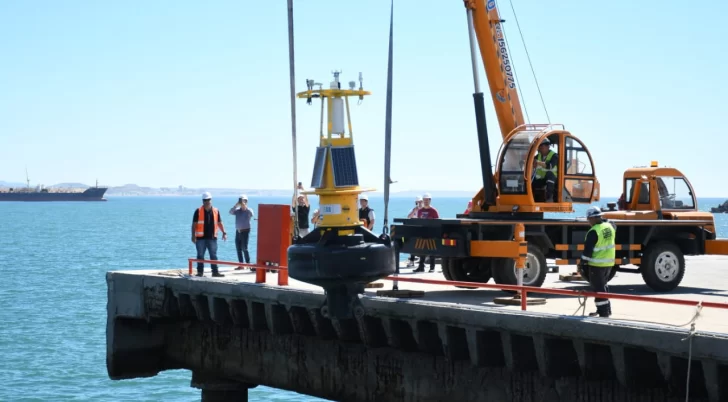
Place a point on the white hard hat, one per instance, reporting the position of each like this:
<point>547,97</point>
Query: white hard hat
<point>364,197</point>
<point>206,195</point>
<point>243,196</point>
<point>426,195</point>
<point>418,199</point>
<point>593,212</point>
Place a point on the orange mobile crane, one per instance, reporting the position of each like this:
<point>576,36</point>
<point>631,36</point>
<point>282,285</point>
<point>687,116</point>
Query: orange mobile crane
<point>655,227</point>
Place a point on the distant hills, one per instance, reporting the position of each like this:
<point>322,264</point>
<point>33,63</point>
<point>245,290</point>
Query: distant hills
<point>136,190</point>
<point>11,184</point>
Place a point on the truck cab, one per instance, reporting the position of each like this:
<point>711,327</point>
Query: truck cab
<point>657,193</point>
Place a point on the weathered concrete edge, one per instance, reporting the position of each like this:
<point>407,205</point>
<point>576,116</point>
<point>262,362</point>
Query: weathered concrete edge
<point>126,290</point>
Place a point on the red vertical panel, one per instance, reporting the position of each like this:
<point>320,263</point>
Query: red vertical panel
<point>274,233</point>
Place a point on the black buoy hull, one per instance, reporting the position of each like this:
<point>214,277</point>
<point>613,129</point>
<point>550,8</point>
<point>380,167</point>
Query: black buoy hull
<point>341,265</point>
<point>334,265</point>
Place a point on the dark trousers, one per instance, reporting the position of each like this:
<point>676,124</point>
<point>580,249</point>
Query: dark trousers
<point>421,265</point>
<point>211,246</point>
<point>549,182</point>
<point>598,277</point>
<point>241,244</point>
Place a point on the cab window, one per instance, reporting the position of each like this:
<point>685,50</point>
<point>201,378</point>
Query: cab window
<point>629,190</point>
<point>644,192</point>
<point>578,180</point>
<point>675,193</point>
<point>514,162</point>
<point>577,159</point>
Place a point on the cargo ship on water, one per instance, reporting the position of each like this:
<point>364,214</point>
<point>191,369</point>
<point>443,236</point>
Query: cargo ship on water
<point>41,193</point>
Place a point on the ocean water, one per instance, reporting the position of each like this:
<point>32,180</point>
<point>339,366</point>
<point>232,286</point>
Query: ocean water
<point>53,289</point>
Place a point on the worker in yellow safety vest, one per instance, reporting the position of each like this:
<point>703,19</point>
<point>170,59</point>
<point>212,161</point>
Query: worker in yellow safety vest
<point>597,260</point>
<point>546,169</point>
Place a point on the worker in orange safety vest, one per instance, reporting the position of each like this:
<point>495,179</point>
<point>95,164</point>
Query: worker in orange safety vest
<point>205,224</point>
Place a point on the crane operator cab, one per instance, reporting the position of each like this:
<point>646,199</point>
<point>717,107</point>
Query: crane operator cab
<point>543,168</point>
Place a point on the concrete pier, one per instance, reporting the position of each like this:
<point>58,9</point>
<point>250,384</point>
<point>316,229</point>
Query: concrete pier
<point>451,345</point>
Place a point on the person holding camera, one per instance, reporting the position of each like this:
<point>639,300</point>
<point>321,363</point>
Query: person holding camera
<point>243,216</point>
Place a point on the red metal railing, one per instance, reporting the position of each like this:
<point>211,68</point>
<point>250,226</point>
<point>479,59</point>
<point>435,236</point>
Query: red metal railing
<point>260,270</point>
<point>522,291</point>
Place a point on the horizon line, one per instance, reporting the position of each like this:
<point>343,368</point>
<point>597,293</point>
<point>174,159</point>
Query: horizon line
<point>402,193</point>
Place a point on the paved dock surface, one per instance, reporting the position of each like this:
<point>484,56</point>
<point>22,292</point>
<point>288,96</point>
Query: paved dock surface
<point>706,279</point>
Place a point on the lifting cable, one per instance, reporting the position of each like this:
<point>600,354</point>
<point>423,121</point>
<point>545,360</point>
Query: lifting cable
<point>689,338</point>
<point>293,115</point>
<point>515,75</point>
<point>388,125</point>
<point>515,17</point>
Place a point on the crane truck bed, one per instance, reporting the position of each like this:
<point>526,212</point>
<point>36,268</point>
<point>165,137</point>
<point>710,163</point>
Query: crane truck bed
<point>468,247</point>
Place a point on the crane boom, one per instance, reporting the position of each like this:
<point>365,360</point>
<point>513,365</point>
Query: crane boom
<point>488,28</point>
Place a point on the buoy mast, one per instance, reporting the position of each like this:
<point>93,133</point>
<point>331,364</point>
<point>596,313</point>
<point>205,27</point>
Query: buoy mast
<point>335,178</point>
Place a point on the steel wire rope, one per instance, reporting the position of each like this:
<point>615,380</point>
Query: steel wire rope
<point>388,123</point>
<point>515,75</point>
<point>292,71</point>
<point>528,56</point>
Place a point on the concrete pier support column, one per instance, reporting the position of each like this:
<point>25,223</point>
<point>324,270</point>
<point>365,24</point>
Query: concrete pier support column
<point>220,390</point>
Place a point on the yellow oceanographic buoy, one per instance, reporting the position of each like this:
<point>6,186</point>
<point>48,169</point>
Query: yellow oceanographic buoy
<point>340,254</point>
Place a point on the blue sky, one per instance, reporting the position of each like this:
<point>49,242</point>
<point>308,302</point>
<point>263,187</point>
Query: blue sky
<point>189,93</point>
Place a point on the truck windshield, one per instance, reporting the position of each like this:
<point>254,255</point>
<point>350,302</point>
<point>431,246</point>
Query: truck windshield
<point>675,193</point>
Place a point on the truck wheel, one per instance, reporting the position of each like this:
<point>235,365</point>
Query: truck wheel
<point>504,269</point>
<point>469,270</point>
<point>446,263</point>
<point>663,266</point>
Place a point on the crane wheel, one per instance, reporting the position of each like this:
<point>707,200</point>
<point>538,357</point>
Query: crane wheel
<point>663,266</point>
<point>504,269</point>
<point>470,269</point>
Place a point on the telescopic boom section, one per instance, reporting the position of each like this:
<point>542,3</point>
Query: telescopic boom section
<point>488,29</point>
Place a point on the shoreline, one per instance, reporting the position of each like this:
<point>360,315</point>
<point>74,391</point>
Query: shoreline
<point>278,195</point>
